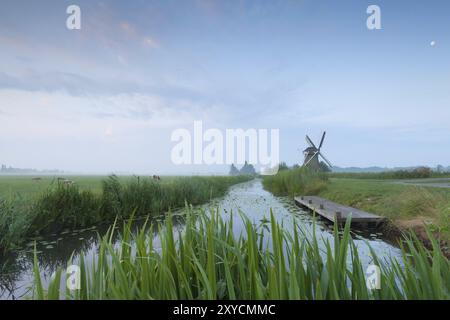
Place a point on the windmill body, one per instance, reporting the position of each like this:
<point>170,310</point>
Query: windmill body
<point>311,158</point>
<point>312,154</point>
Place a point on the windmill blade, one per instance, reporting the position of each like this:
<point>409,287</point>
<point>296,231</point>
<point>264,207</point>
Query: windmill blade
<point>321,141</point>
<point>312,157</point>
<point>310,142</point>
<point>326,160</point>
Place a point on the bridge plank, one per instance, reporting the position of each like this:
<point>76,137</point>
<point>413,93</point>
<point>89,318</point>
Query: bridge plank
<point>336,212</point>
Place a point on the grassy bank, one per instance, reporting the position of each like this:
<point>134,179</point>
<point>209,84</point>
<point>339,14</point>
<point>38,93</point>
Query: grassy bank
<point>60,206</point>
<point>208,261</point>
<point>408,207</point>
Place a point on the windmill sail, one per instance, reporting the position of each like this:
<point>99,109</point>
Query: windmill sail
<point>310,142</point>
<point>321,141</point>
<point>325,159</point>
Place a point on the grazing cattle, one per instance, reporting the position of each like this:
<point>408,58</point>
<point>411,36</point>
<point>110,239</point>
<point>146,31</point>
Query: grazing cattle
<point>155,177</point>
<point>67,182</point>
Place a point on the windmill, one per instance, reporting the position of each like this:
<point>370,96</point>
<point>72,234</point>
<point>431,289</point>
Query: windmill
<point>312,154</point>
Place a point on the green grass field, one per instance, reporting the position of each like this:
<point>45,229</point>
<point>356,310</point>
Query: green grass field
<point>24,186</point>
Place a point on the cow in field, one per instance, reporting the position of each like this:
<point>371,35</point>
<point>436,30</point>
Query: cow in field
<point>67,182</point>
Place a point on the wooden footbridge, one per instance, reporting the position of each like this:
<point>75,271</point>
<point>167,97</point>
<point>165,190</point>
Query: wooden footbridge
<point>336,212</point>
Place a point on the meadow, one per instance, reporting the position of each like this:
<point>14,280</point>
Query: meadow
<point>22,186</point>
<point>208,261</point>
<point>420,173</point>
<point>30,208</point>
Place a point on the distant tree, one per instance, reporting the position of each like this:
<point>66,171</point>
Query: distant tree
<point>282,166</point>
<point>248,169</point>
<point>323,167</point>
<point>421,172</point>
<point>296,166</point>
<point>233,171</point>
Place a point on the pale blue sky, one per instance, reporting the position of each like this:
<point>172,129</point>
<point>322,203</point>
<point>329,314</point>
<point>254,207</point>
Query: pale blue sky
<point>107,97</point>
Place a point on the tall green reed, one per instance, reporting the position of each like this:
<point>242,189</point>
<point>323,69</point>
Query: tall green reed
<point>296,181</point>
<point>207,260</point>
<point>14,222</point>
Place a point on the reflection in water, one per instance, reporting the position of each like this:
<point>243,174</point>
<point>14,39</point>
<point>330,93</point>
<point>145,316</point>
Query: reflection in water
<point>16,273</point>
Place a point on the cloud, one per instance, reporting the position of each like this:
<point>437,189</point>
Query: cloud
<point>127,28</point>
<point>122,60</point>
<point>56,108</point>
<point>150,42</point>
<point>135,35</point>
<point>50,81</point>
<point>79,85</point>
<point>109,131</point>
<point>111,98</point>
